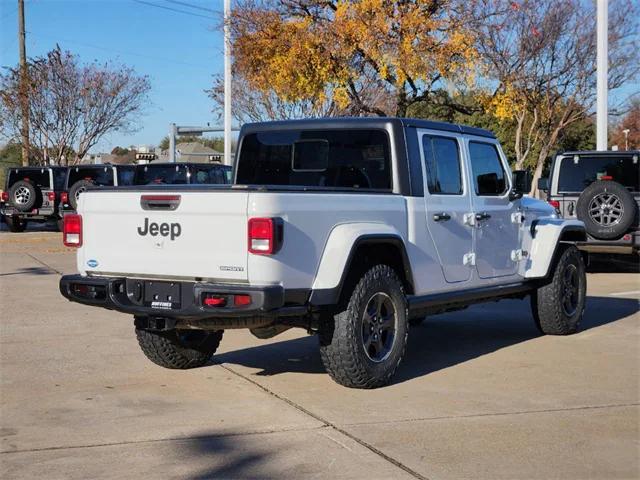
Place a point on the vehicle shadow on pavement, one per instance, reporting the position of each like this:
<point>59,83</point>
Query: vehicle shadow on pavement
<point>442,341</point>
<point>30,271</point>
<point>229,459</point>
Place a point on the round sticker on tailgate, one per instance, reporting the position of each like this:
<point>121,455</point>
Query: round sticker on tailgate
<point>92,263</point>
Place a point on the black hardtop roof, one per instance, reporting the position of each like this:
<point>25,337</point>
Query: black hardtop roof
<point>36,167</point>
<point>187,164</point>
<point>364,122</point>
<point>593,153</point>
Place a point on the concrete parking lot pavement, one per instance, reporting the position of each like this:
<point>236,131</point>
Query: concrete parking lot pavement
<point>480,394</point>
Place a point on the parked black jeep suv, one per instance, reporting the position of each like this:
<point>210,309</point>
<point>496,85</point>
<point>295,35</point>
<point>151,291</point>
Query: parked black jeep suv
<point>602,190</point>
<point>31,195</point>
<point>81,177</point>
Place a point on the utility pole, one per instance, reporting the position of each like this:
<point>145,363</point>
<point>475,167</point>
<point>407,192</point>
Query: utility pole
<point>24,82</point>
<point>227,83</point>
<point>173,131</point>
<point>602,74</point>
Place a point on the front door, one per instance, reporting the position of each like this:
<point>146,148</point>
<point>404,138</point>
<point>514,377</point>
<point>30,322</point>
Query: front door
<point>497,228</point>
<point>447,202</point>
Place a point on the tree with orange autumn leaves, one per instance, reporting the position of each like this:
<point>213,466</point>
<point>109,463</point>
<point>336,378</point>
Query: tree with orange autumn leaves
<point>316,50</point>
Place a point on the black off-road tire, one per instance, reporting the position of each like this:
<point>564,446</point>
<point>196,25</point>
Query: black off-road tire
<point>73,191</point>
<point>547,302</point>
<point>341,338</point>
<point>25,196</point>
<point>602,189</point>
<point>15,223</point>
<point>173,350</point>
<point>60,224</point>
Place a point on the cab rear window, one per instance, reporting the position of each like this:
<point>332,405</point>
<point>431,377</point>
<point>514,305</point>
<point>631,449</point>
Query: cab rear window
<point>576,174</point>
<point>99,175</point>
<point>316,158</point>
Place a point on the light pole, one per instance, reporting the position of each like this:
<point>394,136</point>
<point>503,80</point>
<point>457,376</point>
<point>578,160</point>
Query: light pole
<point>602,72</point>
<point>227,83</point>
<point>626,138</point>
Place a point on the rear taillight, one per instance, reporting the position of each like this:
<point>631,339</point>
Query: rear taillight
<point>51,196</point>
<point>5,196</point>
<point>64,197</point>
<point>72,230</point>
<point>555,204</point>
<point>265,235</point>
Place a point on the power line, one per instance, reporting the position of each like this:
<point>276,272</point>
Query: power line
<point>209,17</point>
<point>191,5</point>
<point>120,52</point>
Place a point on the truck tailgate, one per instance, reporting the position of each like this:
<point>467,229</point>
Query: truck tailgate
<point>205,236</point>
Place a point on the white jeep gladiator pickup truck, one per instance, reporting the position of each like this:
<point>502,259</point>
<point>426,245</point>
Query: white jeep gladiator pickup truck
<point>350,228</point>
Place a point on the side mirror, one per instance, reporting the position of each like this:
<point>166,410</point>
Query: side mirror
<point>543,184</point>
<point>521,184</point>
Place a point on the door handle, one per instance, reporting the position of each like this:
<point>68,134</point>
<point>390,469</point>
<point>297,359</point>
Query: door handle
<point>441,217</point>
<point>482,216</point>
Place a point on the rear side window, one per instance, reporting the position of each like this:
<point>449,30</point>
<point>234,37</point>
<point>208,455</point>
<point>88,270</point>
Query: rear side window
<point>59,176</point>
<point>37,176</point>
<point>442,163</point>
<point>488,175</point>
<point>576,175</point>
<point>125,174</point>
<point>208,175</point>
<point>161,174</point>
<point>348,159</point>
<point>99,175</point>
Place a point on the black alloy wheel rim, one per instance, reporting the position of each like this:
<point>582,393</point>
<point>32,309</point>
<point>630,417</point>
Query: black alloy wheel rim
<point>379,321</point>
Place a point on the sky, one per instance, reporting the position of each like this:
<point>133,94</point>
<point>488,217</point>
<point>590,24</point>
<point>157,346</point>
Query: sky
<point>180,52</point>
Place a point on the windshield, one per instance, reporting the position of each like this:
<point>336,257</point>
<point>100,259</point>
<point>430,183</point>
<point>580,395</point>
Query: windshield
<point>316,158</point>
<point>576,175</point>
<point>161,174</point>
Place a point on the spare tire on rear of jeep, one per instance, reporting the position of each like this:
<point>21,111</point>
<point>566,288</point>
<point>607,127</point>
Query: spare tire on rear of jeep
<point>76,189</point>
<point>25,196</point>
<point>607,210</point>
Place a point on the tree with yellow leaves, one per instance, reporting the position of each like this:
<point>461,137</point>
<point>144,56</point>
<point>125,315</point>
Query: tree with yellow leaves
<point>366,56</point>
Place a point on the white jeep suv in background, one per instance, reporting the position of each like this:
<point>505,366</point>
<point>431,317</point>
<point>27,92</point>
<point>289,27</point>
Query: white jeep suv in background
<point>350,228</point>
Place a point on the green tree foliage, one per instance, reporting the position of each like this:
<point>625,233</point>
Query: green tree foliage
<point>10,156</point>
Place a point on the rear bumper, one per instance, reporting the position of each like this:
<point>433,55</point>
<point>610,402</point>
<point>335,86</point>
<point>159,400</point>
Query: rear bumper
<point>630,244</point>
<point>128,296</point>
<point>36,214</point>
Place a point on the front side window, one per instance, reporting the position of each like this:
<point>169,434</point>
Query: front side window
<point>316,158</point>
<point>489,177</point>
<point>442,163</point>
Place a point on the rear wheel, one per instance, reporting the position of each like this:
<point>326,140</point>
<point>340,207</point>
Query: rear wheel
<point>362,346</point>
<point>77,189</point>
<point>179,349</point>
<point>15,223</point>
<point>25,196</point>
<point>558,306</point>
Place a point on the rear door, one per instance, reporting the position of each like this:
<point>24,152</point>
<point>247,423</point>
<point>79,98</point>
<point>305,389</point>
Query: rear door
<point>497,229</point>
<point>447,202</point>
<point>160,233</point>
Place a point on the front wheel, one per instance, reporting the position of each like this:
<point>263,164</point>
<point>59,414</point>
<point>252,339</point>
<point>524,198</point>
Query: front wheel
<point>179,349</point>
<point>362,346</point>
<point>558,307</point>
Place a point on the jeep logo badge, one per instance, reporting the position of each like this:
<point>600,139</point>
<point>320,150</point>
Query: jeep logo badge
<point>171,230</point>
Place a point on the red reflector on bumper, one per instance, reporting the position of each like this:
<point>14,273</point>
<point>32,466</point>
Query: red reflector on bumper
<point>214,301</point>
<point>242,300</point>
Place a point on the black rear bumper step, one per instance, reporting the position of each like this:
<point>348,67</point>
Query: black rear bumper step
<point>128,296</point>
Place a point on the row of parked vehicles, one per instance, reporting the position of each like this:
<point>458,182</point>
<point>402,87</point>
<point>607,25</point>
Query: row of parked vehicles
<point>46,194</point>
